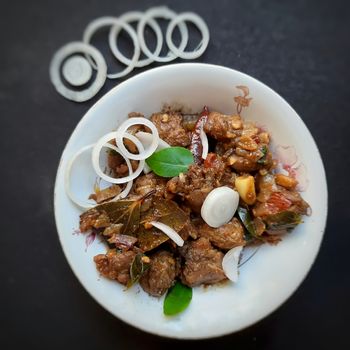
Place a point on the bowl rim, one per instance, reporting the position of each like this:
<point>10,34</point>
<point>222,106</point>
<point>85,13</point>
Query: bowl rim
<point>124,84</point>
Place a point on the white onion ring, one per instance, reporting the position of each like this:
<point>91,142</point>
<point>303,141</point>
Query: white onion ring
<point>70,49</point>
<point>165,13</point>
<point>201,25</point>
<point>83,205</point>
<point>110,21</point>
<point>230,263</point>
<point>103,142</point>
<point>171,233</point>
<point>205,144</point>
<point>122,131</point>
<point>114,33</point>
<point>77,70</point>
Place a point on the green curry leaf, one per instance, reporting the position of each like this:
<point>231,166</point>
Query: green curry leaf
<point>137,268</point>
<point>177,299</point>
<point>170,162</point>
<point>247,221</point>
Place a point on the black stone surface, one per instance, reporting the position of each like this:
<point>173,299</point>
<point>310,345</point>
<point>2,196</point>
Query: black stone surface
<point>301,49</point>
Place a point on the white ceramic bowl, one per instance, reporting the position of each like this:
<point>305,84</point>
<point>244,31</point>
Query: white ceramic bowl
<point>266,281</point>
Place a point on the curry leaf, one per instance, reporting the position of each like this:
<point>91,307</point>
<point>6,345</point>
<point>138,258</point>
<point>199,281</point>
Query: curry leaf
<point>263,160</point>
<point>138,267</point>
<point>247,221</point>
<point>170,161</point>
<point>284,220</point>
<point>177,299</point>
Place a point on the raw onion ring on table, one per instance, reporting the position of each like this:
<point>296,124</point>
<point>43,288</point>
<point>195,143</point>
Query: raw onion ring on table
<point>68,50</point>
<point>103,142</point>
<point>166,13</point>
<point>122,131</point>
<point>116,29</point>
<point>101,22</point>
<point>201,25</point>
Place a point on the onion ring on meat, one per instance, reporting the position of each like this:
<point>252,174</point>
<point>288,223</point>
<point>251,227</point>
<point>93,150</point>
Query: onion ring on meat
<point>166,13</point>
<point>230,263</point>
<point>68,50</point>
<point>110,21</point>
<point>122,131</point>
<point>171,233</point>
<point>116,29</point>
<point>201,25</point>
<point>83,205</point>
<point>205,144</point>
<point>103,142</point>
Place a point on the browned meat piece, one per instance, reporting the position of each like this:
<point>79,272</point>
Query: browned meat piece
<point>117,164</point>
<point>160,275</point>
<point>170,128</point>
<point>222,126</point>
<point>203,263</point>
<point>93,219</point>
<point>226,236</point>
<point>112,229</point>
<point>105,194</point>
<point>199,180</point>
<point>147,183</point>
<point>189,230</point>
<point>115,265</point>
<point>123,242</point>
<point>273,199</point>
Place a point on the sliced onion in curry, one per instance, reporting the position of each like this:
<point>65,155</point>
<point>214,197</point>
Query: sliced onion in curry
<point>171,233</point>
<point>230,263</point>
<point>103,142</point>
<point>205,144</point>
<point>122,132</point>
<point>219,206</point>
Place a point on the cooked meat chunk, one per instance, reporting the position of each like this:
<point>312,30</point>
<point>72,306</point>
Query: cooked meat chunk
<point>160,275</point>
<point>116,162</point>
<point>195,185</point>
<point>222,126</point>
<point>170,128</point>
<point>147,183</point>
<point>105,194</point>
<point>203,263</point>
<point>273,199</point>
<point>189,230</point>
<point>123,242</point>
<point>226,236</point>
<point>115,265</point>
<point>93,219</point>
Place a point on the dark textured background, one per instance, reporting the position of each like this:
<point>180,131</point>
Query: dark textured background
<point>299,48</point>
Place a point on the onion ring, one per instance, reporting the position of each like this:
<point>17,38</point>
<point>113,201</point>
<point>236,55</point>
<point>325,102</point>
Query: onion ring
<point>170,232</point>
<point>205,144</point>
<point>116,29</point>
<point>77,70</point>
<point>110,21</point>
<point>70,49</point>
<point>165,13</point>
<point>103,142</point>
<point>67,179</point>
<point>201,25</point>
<point>122,131</point>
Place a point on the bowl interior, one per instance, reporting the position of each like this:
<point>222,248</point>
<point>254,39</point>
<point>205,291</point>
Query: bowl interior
<point>272,275</point>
